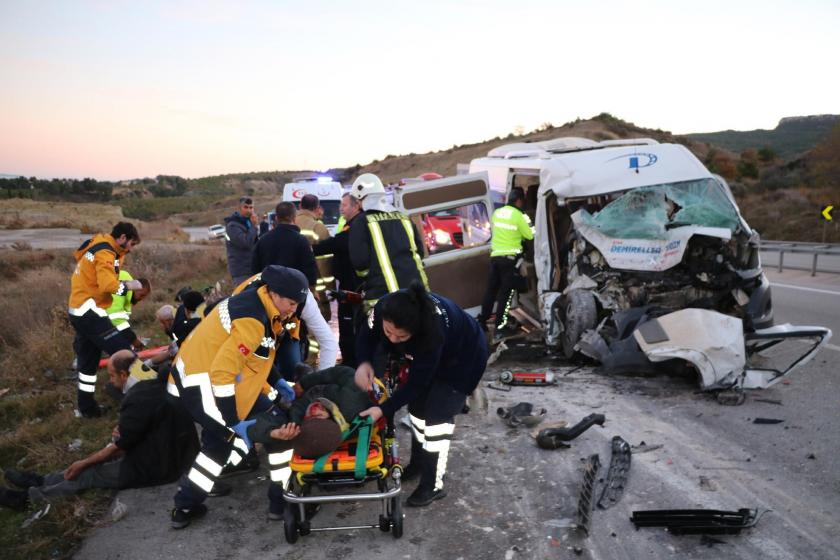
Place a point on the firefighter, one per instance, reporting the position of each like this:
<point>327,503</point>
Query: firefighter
<point>93,285</point>
<point>218,375</point>
<point>448,355</point>
<point>510,227</point>
<point>385,247</point>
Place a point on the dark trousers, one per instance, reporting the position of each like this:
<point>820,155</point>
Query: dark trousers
<point>432,417</point>
<point>347,334</point>
<point>500,289</point>
<point>94,335</point>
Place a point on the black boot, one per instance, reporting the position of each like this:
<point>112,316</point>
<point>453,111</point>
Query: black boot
<point>425,493</point>
<point>23,479</point>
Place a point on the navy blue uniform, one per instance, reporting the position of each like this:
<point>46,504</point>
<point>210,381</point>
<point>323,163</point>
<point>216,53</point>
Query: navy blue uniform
<point>439,380</point>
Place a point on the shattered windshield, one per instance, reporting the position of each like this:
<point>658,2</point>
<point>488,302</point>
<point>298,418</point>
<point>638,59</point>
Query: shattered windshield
<point>649,212</point>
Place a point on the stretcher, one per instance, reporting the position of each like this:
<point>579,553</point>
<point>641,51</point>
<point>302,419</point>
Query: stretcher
<point>142,354</point>
<point>368,455</point>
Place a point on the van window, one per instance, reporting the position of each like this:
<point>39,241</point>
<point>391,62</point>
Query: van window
<point>455,228</point>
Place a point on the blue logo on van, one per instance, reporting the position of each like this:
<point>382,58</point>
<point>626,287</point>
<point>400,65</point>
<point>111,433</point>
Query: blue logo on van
<point>637,161</point>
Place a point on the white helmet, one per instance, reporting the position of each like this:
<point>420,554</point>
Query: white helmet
<point>365,184</point>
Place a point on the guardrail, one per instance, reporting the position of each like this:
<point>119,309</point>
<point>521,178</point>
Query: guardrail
<point>799,247</point>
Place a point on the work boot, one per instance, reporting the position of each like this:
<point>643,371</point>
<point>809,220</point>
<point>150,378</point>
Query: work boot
<point>504,332</point>
<point>219,489</point>
<point>181,517</point>
<point>23,479</point>
<point>414,467</point>
<point>95,411</point>
<point>13,499</point>
<point>423,496</point>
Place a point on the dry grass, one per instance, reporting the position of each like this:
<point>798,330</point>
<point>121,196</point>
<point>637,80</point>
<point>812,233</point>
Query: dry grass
<point>21,213</point>
<point>36,415</point>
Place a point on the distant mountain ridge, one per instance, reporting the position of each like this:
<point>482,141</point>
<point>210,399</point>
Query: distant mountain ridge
<point>792,137</point>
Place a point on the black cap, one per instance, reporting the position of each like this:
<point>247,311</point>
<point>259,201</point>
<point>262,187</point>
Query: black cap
<point>192,300</point>
<point>286,282</point>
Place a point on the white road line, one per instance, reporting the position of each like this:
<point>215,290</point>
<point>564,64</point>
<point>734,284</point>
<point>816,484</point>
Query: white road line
<point>804,289</point>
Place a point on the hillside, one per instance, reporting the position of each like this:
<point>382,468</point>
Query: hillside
<point>792,137</point>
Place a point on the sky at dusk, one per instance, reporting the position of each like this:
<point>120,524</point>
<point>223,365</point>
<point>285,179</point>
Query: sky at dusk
<point>118,90</point>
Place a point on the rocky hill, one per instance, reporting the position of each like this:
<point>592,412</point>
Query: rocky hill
<point>792,137</point>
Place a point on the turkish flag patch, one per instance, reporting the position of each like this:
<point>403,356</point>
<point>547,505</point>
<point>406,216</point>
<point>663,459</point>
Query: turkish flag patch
<point>244,350</point>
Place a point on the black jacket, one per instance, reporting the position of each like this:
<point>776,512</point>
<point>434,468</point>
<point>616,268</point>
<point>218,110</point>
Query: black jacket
<point>240,236</point>
<point>284,245</point>
<point>459,360</point>
<point>404,252</point>
<point>158,437</point>
<point>339,247</point>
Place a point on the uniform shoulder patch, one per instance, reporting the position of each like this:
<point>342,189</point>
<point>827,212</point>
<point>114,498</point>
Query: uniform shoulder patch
<point>244,350</point>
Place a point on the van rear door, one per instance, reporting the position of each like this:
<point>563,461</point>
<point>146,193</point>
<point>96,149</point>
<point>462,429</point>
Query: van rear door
<point>453,216</point>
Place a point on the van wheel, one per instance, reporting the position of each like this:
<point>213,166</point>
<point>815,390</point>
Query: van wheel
<point>581,314</point>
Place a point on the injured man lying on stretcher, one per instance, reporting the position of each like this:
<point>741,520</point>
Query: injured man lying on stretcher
<point>325,403</point>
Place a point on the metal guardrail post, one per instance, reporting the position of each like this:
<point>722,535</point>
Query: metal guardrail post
<point>781,259</point>
<point>814,265</point>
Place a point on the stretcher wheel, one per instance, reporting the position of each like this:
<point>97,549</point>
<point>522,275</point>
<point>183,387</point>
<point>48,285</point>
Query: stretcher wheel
<point>290,526</point>
<point>304,528</point>
<point>396,517</point>
<point>384,523</point>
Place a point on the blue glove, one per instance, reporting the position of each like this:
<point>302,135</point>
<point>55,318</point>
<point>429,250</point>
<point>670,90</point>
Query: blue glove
<point>241,430</point>
<point>286,392</point>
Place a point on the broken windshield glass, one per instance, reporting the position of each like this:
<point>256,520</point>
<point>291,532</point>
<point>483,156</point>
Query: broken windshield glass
<point>649,212</point>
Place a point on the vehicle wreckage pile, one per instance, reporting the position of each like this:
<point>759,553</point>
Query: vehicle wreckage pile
<point>668,278</point>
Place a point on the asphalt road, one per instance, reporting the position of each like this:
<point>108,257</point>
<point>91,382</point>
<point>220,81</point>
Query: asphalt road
<point>509,499</point>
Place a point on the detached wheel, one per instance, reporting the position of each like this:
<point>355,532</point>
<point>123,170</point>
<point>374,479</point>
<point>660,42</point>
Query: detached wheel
<point>290,527</point>
<point>396,517</point>
<point>581,314</point>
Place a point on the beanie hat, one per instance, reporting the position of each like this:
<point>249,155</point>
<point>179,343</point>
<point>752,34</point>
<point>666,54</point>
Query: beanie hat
<point>286,282</point>
<point>318,436</point>
<point>192,300</point>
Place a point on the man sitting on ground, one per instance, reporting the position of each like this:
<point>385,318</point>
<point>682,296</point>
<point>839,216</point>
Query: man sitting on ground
<point>153,443</point>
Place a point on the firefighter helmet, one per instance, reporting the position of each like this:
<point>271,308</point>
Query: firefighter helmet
<point>366,184</point>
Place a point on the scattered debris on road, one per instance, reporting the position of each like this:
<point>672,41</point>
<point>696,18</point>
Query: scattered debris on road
<point>533,378</point>
<point>617,473</point>
<point>521,414</point>
<point>697,521</point>
<point>767,421</point>
<point>554,438</point>
<point>587,490</point>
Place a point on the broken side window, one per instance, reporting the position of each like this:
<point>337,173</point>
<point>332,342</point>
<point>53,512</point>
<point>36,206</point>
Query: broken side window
<point>649,212</point>
<point>455,228</point>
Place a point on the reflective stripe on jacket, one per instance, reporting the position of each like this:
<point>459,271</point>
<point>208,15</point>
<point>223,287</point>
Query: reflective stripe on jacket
<point>120,311</point>
<point>386,249</point>
<point>96,277</point>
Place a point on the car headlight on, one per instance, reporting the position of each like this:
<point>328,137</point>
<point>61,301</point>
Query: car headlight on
<point>442,237</point>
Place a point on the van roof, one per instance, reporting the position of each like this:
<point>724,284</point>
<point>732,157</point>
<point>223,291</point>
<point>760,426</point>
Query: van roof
<point>324,190</point>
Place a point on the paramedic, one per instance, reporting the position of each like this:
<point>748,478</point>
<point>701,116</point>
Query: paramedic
<point>93,285</point>
<point>448,355</point>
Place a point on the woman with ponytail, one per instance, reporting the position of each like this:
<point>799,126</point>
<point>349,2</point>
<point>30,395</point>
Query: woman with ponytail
<point>448,354</point>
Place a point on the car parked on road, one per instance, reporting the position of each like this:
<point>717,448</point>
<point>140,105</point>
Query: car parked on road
<point>216,231</point>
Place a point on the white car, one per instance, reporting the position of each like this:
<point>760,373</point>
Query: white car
<point>216,231</point>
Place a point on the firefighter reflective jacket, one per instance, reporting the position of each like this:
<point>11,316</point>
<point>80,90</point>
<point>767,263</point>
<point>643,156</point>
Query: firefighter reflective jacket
<point>96,278</point>
<point>120,311</point>
<point>229,355</point>
<point>510,227</point>
<point>386,251</point>
<point>311,227</point>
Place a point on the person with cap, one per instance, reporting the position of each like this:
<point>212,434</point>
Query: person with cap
<point>385,246</point>
<point>188,314</point>
<point>120,311</point>
<point>241,232</point>
<point>93,285</point>
<point>307,317</point>
<point>218,375</point>
<point>153,443</point>
<point>339,247</point>
<point>448,355</point>
<point>510,228</point>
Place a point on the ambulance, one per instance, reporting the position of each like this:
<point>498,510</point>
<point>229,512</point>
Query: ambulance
<point>326,189</point>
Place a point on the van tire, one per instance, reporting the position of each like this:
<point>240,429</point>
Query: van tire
<point>581,314</point>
